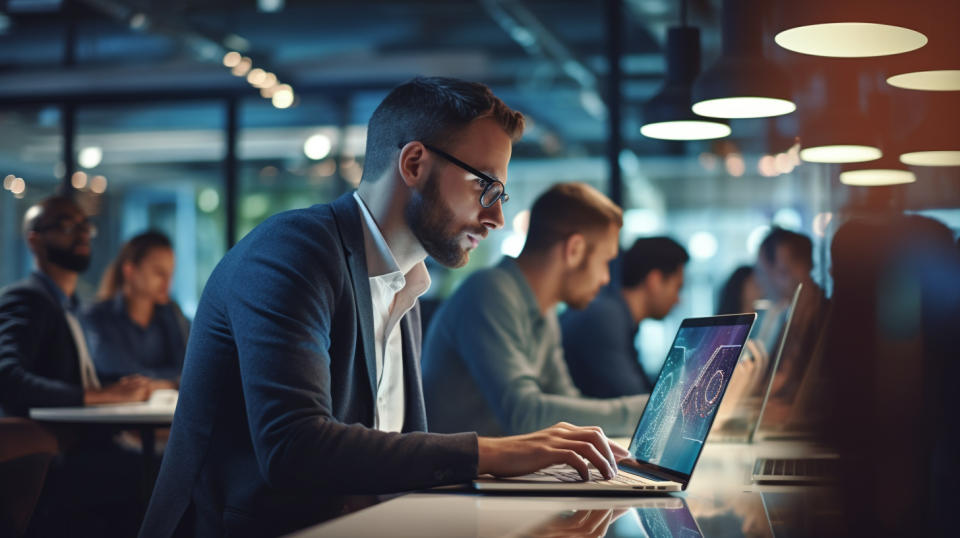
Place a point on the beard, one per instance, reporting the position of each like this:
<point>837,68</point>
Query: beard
<point>66,258</point>
<point>429,218</point>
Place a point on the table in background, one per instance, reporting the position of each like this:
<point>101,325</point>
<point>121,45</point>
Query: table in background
<point>144,417</point>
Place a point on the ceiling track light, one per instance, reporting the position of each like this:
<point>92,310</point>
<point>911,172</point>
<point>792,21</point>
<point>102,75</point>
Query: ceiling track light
<point>742,83</point>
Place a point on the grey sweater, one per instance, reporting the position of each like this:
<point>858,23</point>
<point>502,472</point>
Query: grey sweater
<point>492,363</point>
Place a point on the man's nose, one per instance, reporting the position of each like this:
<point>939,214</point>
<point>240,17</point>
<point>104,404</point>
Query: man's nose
<point>492,217</point>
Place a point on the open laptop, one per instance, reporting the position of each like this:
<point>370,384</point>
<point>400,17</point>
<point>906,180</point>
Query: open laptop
<point>739,418</point>
<point>674,424</point>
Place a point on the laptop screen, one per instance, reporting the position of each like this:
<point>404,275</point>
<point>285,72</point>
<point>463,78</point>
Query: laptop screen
<point>684,401</point>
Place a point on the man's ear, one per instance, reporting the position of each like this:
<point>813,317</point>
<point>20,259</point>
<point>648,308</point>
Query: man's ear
<point>34,241</point>
<point>574,250</point>
<point>412,164</point>
<point>654,279</point>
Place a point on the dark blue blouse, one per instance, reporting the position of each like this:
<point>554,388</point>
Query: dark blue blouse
<point>120,347</point>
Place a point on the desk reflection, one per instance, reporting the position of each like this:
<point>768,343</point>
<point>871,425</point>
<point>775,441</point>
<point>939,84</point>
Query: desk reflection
<point>656,518</point>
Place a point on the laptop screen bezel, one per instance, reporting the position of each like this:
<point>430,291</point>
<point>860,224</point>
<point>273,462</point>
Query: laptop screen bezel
<point>635,465</point>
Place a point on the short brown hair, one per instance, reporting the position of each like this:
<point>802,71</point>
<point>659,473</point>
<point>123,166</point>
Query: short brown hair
<point>432,110</point>
<point>567,209</point>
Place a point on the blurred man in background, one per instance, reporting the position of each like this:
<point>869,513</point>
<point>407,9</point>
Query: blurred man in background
<point>599,341</point>
<point>493,359</point>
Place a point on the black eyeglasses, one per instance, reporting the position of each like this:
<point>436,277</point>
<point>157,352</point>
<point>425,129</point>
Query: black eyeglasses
<point>67,226</point>
<point>493,188</point>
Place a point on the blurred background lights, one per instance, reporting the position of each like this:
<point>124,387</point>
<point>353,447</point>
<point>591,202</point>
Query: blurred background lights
<point>755,237</point>
<point>512,245</point>
<point>231,59</point>
<point>820,223</point>
<point>943,80</point>
<point>641,222</point>
<point>18,185</point>
<point>283,97</point>
<point>208,200</point>
<point>877,178</point>
<point>702,245</point>
<point>90,157</point>
<point>317,146</point>
<point>8,181</point>
<point>840,153</point>
<point>78,180</point>
<point>788,218</point>
<point>98,184</point>
<point>734,164</point>
<point>256,76</point>
<point>521,222</point>
<point>931,158</point>
<point>242,67</point>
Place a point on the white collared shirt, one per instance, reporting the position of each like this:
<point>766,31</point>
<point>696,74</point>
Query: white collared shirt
<point>392,294</point>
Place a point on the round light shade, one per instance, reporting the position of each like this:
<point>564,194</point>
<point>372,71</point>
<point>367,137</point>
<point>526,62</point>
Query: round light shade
<point>840,153</point>
<point>877,178</point>
<point>931,158</point>
<point>850,39</point>
<point>744,107</point>
<point>944,80</point>
<point>685,130</point>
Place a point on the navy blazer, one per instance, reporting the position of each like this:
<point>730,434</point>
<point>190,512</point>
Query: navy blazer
<point>274,421</point>
<point>39,366</point>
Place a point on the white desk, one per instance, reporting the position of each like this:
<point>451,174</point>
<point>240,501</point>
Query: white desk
<point>135,413</point>
<point>721,499</point>
<point>145,417</point>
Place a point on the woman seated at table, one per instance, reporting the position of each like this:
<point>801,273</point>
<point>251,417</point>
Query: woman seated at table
<point>135,328</point>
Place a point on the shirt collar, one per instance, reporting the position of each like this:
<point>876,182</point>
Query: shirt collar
<point>380,260</point>
<point>509,265</point>
<point>69,303</point>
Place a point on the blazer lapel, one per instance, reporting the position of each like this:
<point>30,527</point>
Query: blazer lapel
<point>351,233</point>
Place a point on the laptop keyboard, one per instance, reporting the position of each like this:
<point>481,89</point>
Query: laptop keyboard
<point>798,468</point>
<point>566,473</point>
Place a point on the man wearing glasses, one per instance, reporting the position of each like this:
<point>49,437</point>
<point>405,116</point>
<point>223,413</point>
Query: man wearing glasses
<point>301,382</point>
<point>44,360</point>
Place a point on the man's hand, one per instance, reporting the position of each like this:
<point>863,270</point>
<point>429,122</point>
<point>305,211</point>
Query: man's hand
<point>561,443</point>
<point>133,388</point>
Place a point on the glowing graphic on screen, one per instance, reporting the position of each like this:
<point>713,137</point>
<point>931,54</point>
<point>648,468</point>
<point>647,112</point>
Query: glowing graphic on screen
<point>685,399</point>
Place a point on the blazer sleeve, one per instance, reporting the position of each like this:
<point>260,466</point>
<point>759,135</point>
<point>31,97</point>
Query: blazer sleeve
<point>21,333</point>
<point>492,341</point>
<point>283,313</point>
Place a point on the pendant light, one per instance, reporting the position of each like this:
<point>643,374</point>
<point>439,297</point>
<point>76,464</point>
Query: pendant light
<point>667,115</point>
<point>742,83</point>
<point>848,29</point>
<point>880,173</point>
<point>839,131</point>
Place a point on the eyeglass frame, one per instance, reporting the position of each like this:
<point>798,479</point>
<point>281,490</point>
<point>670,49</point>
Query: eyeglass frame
<point>486,180</point>
<point>70,228</point>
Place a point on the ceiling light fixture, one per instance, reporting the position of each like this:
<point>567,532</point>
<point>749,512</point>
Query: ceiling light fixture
<point>742,83</point>
<point>667,115</point>
<point>850,39</point>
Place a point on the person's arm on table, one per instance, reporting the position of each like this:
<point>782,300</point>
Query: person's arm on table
<point>282,329</point>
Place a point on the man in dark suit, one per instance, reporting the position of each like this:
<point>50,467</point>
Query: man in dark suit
<point>42,351</point>
<point>44,363</point>
<point>301,382</point>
